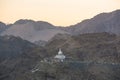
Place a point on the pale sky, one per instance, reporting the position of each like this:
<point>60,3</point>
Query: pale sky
<point>57,12</point>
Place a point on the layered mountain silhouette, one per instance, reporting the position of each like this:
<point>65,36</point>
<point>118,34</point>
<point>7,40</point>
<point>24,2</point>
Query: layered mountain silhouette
<point>43,31</point>
<point>33,30</point>
<point>95,42</point>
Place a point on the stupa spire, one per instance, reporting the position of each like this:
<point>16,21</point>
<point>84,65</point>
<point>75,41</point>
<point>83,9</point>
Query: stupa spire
<point>60,51</point>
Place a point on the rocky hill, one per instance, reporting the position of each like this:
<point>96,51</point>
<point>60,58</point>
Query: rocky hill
<point>17,57</point>
<point>98,47</point>
<point>93,56</point>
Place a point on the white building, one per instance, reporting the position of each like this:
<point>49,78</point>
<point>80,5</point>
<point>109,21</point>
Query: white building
<point>60,56</point>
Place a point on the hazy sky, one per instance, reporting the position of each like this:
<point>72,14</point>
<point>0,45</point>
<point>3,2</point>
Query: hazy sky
<point>57,12</point>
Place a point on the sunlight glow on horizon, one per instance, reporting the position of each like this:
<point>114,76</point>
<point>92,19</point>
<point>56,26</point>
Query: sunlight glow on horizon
<point>57,12</point>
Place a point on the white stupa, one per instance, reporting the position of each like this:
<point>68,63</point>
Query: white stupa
<point>60,56</point>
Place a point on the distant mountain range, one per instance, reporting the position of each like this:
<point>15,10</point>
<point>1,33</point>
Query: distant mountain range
<point>43,31</point>
<point>32,30</point>
<point>104,22</point>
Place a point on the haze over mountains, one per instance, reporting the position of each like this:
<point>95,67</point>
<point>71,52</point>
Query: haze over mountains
<point>98,49</point>
<point>32,31</point>
<point>39,30</point>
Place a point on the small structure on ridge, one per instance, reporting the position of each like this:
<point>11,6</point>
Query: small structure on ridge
<point>60,56</point>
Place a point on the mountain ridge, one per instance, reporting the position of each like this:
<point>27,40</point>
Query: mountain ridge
<point>40,30</point>
<point>103,22</point>
<point>32,30</point>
